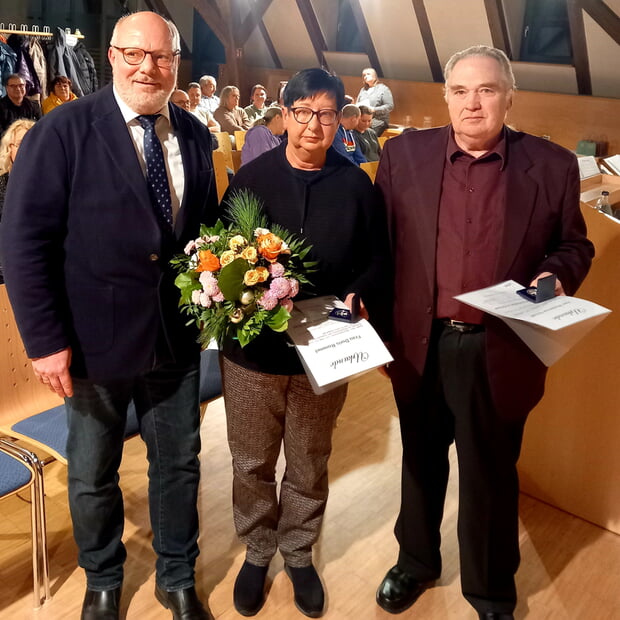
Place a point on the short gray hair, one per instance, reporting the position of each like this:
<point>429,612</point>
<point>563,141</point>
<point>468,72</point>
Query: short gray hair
<point>207,78</point>
<point>483,50</point>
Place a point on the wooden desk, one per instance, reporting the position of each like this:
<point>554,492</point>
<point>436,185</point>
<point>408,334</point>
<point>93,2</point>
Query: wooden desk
<point>571,450</point>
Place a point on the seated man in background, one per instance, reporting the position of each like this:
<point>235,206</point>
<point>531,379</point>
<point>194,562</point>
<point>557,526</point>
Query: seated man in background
<point>181,98</point>
<point>344,141</point>
<point>365,135</point>
<point>15,104</point>
<point>202,113</point>
<point>208,99</point>
<point>229,115</point>
<point>257,108</point>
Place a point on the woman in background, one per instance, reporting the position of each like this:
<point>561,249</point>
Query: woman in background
<point>263,135</point>
<point>9,144</point>
<point>60,92</point>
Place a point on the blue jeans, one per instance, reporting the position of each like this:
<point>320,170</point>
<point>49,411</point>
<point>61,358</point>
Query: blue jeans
<point>166,401</point>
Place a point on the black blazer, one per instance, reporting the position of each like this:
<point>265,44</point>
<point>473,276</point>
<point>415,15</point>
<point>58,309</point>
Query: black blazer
<point>85,261</point>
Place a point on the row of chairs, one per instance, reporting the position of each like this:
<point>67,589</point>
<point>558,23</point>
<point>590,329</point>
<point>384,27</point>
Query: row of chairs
<point>31,414</point>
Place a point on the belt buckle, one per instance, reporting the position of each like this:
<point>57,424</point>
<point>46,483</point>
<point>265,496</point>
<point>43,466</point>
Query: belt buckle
<point>459,326</point>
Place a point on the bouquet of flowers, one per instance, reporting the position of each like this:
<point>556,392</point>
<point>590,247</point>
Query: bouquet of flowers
<point>239,278</point>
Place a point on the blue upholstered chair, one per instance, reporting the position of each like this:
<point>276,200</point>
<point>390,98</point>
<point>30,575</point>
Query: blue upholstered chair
<point>20,470</point>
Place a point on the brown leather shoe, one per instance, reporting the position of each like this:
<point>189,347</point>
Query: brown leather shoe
<point>101,604</point>
<point>184,604</point>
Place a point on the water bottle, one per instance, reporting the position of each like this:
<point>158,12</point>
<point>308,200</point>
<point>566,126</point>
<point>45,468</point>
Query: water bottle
<point>602,204</point>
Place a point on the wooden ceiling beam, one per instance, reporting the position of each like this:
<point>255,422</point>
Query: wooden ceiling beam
<point>604,17</point>
<point>428,40</point>
<point>580,48</point>
<point>314,31</point>
<point>498,26</point>
<point>252,21</point>
<point>369,45</point>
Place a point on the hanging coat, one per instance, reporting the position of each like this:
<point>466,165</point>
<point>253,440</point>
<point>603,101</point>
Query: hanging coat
<point>23,64</point>
<point>8,59</point>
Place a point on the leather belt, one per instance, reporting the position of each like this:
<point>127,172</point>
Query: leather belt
<point>463,328</point>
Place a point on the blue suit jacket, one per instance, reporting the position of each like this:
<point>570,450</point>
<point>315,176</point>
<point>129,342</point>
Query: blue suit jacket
<point>86,263</point>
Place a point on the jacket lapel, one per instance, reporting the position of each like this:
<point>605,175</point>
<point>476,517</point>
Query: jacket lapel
<point>521,196</point>
<point>113,137</point>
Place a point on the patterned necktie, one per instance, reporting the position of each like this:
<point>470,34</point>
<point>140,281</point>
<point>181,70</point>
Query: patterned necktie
<point>156,176</point>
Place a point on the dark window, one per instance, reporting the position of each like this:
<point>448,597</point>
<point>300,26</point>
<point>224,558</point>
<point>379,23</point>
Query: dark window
<point>546,32</point>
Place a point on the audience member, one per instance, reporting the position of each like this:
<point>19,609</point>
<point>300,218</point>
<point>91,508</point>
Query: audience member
<point>344,140</point>
<point>208,100</point>
<point>10,143</point>
<point>203,114</point>
<point>229,115</point>
<point>378,97</point>
<point>365,135</point>
<point>258,97</point>
<point>181,98</point>
<point>60,92</point>
<point>263,135</point>
<point>14,104</point>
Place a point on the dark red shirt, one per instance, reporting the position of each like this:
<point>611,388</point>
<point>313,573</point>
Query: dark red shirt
<point>471,217</point>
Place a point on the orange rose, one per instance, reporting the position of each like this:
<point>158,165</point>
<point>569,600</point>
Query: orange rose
<point>208,261</point>
<point>270,246</point>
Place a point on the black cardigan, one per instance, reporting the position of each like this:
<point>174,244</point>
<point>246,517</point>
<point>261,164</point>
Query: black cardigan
<point>338,212</point>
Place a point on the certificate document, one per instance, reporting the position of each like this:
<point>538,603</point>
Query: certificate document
<point>333,352</point>
<point>549,328</point>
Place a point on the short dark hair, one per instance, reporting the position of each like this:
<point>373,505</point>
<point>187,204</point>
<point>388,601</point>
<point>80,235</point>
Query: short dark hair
<point>311,82</point>
<point>60,79</point>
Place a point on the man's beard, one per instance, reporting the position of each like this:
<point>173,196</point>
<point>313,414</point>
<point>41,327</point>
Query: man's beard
<point>142,103</point>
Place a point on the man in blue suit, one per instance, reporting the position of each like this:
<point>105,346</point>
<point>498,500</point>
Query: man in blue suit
<point>87,244</point>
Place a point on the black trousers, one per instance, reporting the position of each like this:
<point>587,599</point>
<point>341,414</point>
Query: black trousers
<point>455,404</point>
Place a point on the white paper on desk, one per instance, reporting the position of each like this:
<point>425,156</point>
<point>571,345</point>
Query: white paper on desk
<point>333,352</point>
<point>587,167</point>
<point>550,328</point>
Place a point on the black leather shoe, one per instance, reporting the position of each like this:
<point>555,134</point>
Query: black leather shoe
<point>184,604</point>
<point>308,589</point>
<point>495,615</point>
<point>101,604</point>
<point>249,590</point>
<point>399,590</point>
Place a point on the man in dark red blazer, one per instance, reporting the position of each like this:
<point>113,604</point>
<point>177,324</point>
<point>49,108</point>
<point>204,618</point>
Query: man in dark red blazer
<point>470,205</point>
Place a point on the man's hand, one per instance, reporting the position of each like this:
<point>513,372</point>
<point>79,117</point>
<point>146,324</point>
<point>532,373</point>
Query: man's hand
<point>559,289</point>
<point>53,371</point>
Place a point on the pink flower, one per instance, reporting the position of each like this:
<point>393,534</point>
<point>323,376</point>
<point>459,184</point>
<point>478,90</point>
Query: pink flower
<point>218,297</point>
<point>196,297</point>
<point>276,270</point>
<point>205,300</point>
<point>209,283</point>
<point>190,247</point>
<point>294,287</point>
<point>268,301</point>
<point>287,302</point>
<point>280,287</point>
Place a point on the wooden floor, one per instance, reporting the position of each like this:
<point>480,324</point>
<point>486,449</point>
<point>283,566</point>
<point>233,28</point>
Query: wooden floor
<point>570,569</point>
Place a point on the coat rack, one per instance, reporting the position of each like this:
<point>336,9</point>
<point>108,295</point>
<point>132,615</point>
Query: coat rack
<point>35,31</point>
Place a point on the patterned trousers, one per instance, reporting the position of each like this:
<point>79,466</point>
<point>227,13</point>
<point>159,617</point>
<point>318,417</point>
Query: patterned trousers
<point>263,412</point>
